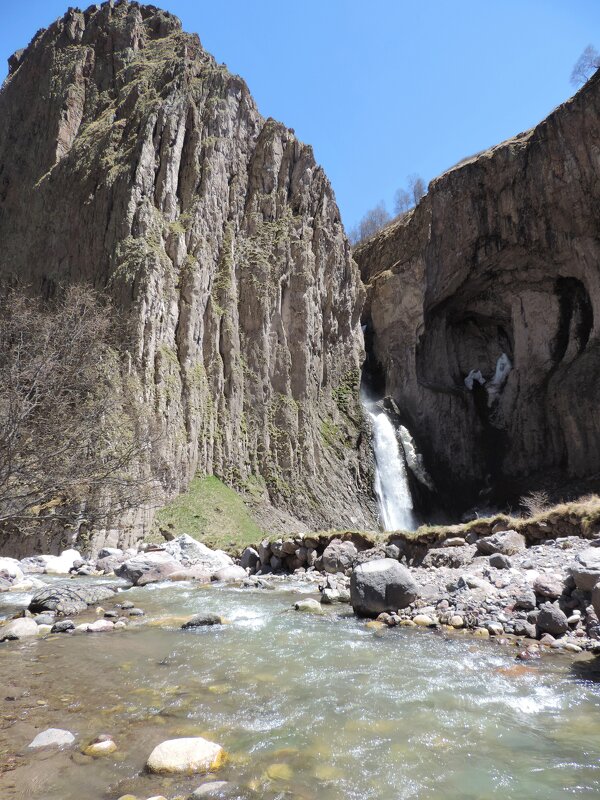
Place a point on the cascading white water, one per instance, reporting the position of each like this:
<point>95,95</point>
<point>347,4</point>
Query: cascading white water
<point>391,481</point>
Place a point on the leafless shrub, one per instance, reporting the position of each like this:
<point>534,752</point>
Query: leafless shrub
<point>535,503</point>
<point>585,66</point>
<point>74,437</point>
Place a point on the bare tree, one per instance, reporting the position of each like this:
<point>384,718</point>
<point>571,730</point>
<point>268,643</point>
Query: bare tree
<point>73,434</point>
<point>373,221</point>
<point>416,187</point>
<point>402,202</point>
<point>585,66</point>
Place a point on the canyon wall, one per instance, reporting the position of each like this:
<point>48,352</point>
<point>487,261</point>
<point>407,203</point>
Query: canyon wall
<point>483,312</point>
<point>132,161</point>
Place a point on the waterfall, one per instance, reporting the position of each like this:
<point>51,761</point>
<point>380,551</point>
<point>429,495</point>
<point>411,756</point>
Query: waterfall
<point>391,481</point>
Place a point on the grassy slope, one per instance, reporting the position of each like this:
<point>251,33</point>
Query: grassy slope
<point>212,513</point>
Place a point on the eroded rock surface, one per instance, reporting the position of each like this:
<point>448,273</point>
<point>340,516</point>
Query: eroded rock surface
<point>484,309</point>
<point>68,598</point>
<point>149,172</point>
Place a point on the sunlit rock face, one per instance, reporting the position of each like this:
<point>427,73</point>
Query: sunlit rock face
<point>484,306</point>
<point>130,159</point>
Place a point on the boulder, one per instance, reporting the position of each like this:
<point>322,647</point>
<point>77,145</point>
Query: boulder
<point>109,564</point>
<point>339,556</point>
<point>547,585</point>
<point>62,564</point>
<point>381,585</point>
<point>189,552</point>
<point>499,561</point>
<point>69,598</point>
<point>63,626</point>
<point>186,756</point>
<point>53,737</point>
<point>309,606</point>
<point>552,620</point>
<point>196,573</point>
<point>101,626</point>
<point>10,569</point>
<point>111,552</point>
<point>201,620</point>
<point>33,565</point>
<point>19,629</point>
<point>586,569</point>
<point>453,557</point>
<point>596,598</point>
<point>230,574</point>
<point>157,565</point>
<point>264,551</point>
<point>506,542</point>
<point>250,559</point>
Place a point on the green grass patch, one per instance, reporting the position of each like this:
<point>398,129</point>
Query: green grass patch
<point>211,512</point>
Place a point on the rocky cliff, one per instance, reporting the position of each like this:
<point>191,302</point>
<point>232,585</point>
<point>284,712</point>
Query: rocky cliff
<point>483,311</point>
<point>131,160</point>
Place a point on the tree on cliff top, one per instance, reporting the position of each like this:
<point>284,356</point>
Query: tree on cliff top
<point>72,431</point>
<point>373,221</point>
<point>585,66</point>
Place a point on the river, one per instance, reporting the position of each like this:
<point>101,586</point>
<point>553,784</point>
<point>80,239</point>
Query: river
<point>307,707</point>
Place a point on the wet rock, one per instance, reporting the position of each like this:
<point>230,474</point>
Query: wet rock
<point>309,606</point>
<point>68,598</point>
<point>456,621</point>
<point>423,621</point>
<point>209,789</point>
<point>186,756</point>
<point>63,626</point>
<point>101,626</point>
<point>507,543</point>
<point>44,619</point>
<point>196,573</point>
<point>586,569</point>
<point>136,612</point>
<point>500,561</point>
<point>381,585</point>
<point>550,586</point>
<point>250,559</point>
<point>230,574</point>
<point>19,629</point>
<point>552,620</point>
<point>126,605</point>
<point>201,620</point>
<point>339,556</point>
<point>102,746</point>
<point>53,737</point>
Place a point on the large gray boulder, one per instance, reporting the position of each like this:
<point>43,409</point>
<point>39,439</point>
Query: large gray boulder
<point>250,559</point>
<point>381,585</point>
<point>190,552</point>
<point>506,542</point>
<point>586,569</point>
<point>148,567</point>
<point>19,629</point>
<point>339,556</point>
<point>552,620</point>
<point>69,598</point>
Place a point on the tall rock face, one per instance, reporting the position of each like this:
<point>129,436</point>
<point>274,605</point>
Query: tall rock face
<point>483,311</point>
<point>131,160</point>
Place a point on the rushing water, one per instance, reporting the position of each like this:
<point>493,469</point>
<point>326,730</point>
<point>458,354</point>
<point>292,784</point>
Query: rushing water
<point>391,481</point>
<point>308,707</point>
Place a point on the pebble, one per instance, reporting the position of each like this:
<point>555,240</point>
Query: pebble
<point>102,746</point>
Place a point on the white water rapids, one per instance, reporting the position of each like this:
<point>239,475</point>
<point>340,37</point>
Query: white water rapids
<point>391,481</point>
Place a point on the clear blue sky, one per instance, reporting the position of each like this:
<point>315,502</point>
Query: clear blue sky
<point>386,88</point>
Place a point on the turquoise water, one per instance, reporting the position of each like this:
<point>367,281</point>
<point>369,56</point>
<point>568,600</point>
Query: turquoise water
<point>307,707</point>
